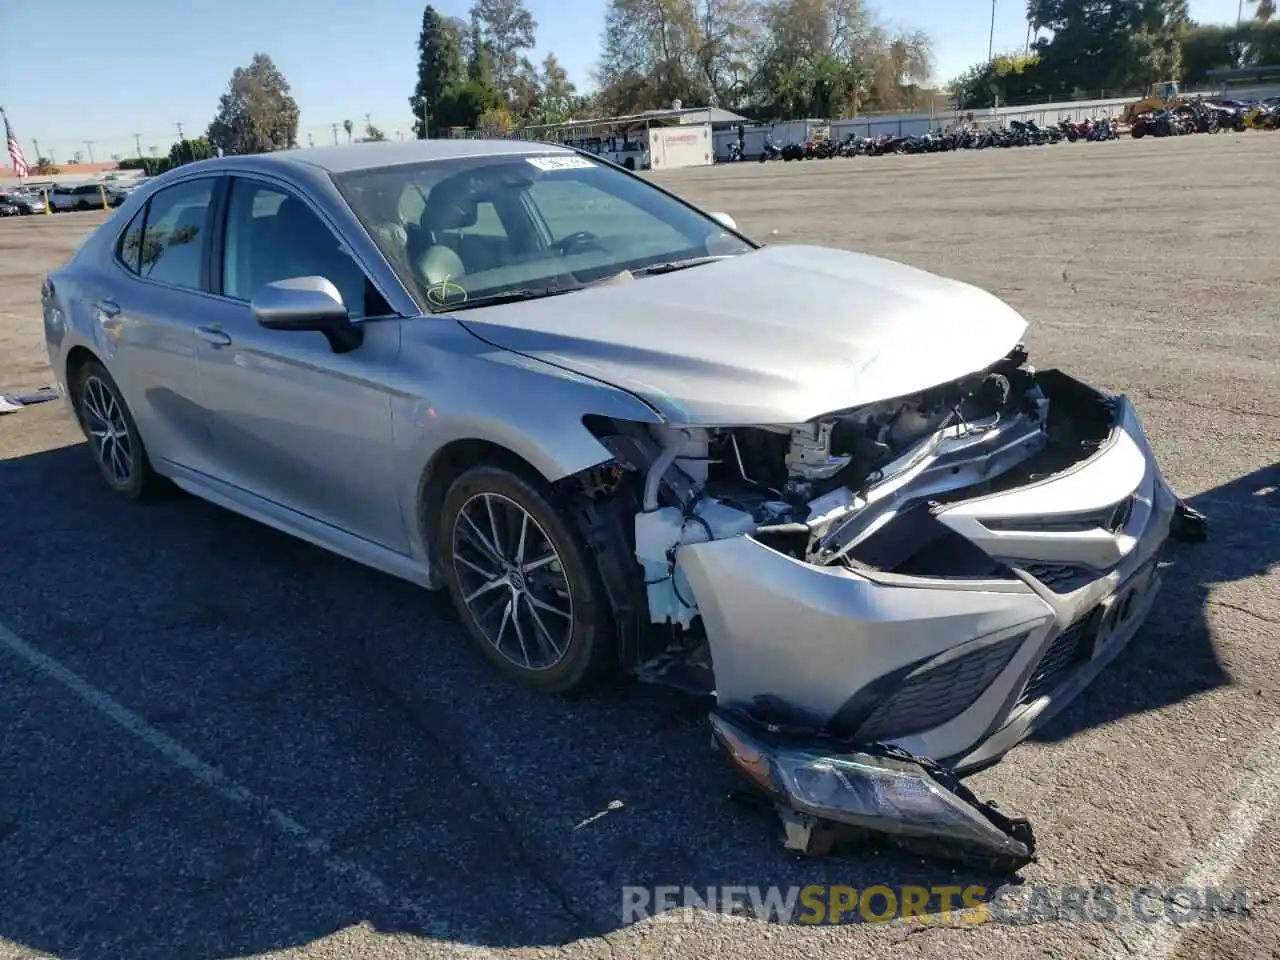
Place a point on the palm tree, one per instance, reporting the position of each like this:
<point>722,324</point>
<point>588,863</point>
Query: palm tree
<point>1266,9</point>
<point>347,126</point>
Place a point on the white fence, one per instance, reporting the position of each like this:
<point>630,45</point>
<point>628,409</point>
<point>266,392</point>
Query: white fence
<point>914,124</point>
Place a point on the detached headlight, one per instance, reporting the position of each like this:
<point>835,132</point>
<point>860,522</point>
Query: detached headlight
<point>879,789</point>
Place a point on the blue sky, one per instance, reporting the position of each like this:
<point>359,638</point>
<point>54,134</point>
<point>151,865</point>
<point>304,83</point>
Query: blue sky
<point>142,66</point>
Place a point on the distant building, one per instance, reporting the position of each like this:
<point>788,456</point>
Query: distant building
<point>71,171</point>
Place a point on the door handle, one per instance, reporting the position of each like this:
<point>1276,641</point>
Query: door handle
<point>214,336</point>
<point>108,308</point>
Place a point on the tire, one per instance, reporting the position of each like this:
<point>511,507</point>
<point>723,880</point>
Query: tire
<point>576,645</point>
<point>1138,130</point>
<point>81,206</point>
<point>94,393</point>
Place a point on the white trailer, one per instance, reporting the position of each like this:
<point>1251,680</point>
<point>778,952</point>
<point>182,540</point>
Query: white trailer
<point>688,145</point>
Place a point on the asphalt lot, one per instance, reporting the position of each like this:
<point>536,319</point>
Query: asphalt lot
<point>216,741</point>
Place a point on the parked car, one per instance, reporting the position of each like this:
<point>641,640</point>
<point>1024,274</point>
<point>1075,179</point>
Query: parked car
<point>80,196</point>
<point>8,208</point>
<point>602,418</point>
<point>22,202</point>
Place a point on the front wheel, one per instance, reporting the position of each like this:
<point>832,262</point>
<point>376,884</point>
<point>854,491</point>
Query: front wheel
<point>113,437</point>
<point>523,581</point>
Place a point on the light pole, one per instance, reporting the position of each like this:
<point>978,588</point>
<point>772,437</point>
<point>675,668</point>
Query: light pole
<point>991,43</point>
<point>36,144</point>
<point>335,134</point>
<point>422,104</point>
<point>89,144</point>
<point>137,142</point>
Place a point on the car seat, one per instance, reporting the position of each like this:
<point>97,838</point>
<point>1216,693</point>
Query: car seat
<point>433,253</point>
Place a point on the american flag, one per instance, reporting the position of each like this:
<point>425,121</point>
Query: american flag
<point>15,150</point>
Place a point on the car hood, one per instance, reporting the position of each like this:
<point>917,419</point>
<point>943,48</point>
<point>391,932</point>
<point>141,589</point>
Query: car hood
<point>779,335</point>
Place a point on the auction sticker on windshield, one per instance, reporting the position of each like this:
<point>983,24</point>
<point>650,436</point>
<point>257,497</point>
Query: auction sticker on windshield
<point>561,163</point>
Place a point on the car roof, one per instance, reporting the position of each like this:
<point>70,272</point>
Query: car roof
<point>386,153</point>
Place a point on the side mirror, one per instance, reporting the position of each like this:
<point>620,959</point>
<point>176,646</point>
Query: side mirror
<point>307,303</point>
<point>727,220</point>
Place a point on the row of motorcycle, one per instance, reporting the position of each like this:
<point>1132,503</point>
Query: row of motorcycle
<point>1018,133</point>
<point>1207,116</point>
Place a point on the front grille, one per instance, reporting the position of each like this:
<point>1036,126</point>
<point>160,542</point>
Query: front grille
<point>1061,577</point>
<point>1068,650</point>
<point>933,696</point>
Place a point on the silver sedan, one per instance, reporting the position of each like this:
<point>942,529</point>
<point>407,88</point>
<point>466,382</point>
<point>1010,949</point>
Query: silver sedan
<point>827,488</point>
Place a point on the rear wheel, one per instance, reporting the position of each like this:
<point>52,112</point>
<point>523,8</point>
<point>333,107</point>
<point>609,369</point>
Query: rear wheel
<point>523,581</point>
<point>113,437</point>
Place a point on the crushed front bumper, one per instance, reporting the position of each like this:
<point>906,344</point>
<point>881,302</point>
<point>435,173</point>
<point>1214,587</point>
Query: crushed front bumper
<point>957,671</point>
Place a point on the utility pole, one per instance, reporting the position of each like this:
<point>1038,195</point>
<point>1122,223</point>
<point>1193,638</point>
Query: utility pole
<point>89,144</point>
<point>991,43</point>
<point>368,121</point>
<point>137,142</point>
<point>179,126</point>
<point>335,134</point>
<point>311,140</point>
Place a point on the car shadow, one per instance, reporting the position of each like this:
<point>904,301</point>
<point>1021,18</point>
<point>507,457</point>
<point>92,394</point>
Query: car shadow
<point>1173,657</point>
<point>259,744</point>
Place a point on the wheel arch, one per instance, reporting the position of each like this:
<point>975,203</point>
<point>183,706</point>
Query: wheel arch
<point>76,358</point>
<point>448,463</point>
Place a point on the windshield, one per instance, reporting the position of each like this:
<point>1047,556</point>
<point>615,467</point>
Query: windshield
<point>496,229</point>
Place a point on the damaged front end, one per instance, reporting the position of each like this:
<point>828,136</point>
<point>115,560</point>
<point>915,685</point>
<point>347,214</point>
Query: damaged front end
<point>919,582</point>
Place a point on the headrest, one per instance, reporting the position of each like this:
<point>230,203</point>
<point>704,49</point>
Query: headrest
<point>450,206</point>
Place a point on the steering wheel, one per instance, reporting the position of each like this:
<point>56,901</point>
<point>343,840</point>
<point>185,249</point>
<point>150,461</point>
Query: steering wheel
<point>580,238</point>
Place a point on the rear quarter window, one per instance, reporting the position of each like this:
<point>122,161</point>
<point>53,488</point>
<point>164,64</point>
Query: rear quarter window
<point>129,247</point>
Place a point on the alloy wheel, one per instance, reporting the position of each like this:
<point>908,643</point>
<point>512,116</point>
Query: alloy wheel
<point>512,581</point>
<point>108,432</point>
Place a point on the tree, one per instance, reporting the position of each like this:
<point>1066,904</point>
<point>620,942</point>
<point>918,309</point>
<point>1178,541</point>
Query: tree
<point>525,99</point>
<point>1264,10</point>
<point>726,31</point>
<point>257,113</point>
<point>372,134</point>
<point>506,28</point>
<point>479,57</point>
<point>819,58</point>
<point>494,122</point>
<point>650,54</point>
<point>1206,48</point>
<point>348,126</point>
<point>1012,78</point>
<point>1116,46</point>
<point>558,95</point>
<point>440,71</point>
<point>189,151</point>
<point>46,167</point>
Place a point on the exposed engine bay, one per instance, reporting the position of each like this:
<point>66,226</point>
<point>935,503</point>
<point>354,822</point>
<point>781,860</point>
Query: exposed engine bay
<point>821,491</point>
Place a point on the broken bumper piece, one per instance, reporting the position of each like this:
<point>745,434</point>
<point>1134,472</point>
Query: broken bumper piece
<point>827,793</point>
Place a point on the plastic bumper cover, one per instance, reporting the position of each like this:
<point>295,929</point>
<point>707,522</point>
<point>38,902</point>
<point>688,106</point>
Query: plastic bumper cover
<point>823,647</point>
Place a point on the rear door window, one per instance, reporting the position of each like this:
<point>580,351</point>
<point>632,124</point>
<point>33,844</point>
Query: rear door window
<point>177,225</point>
